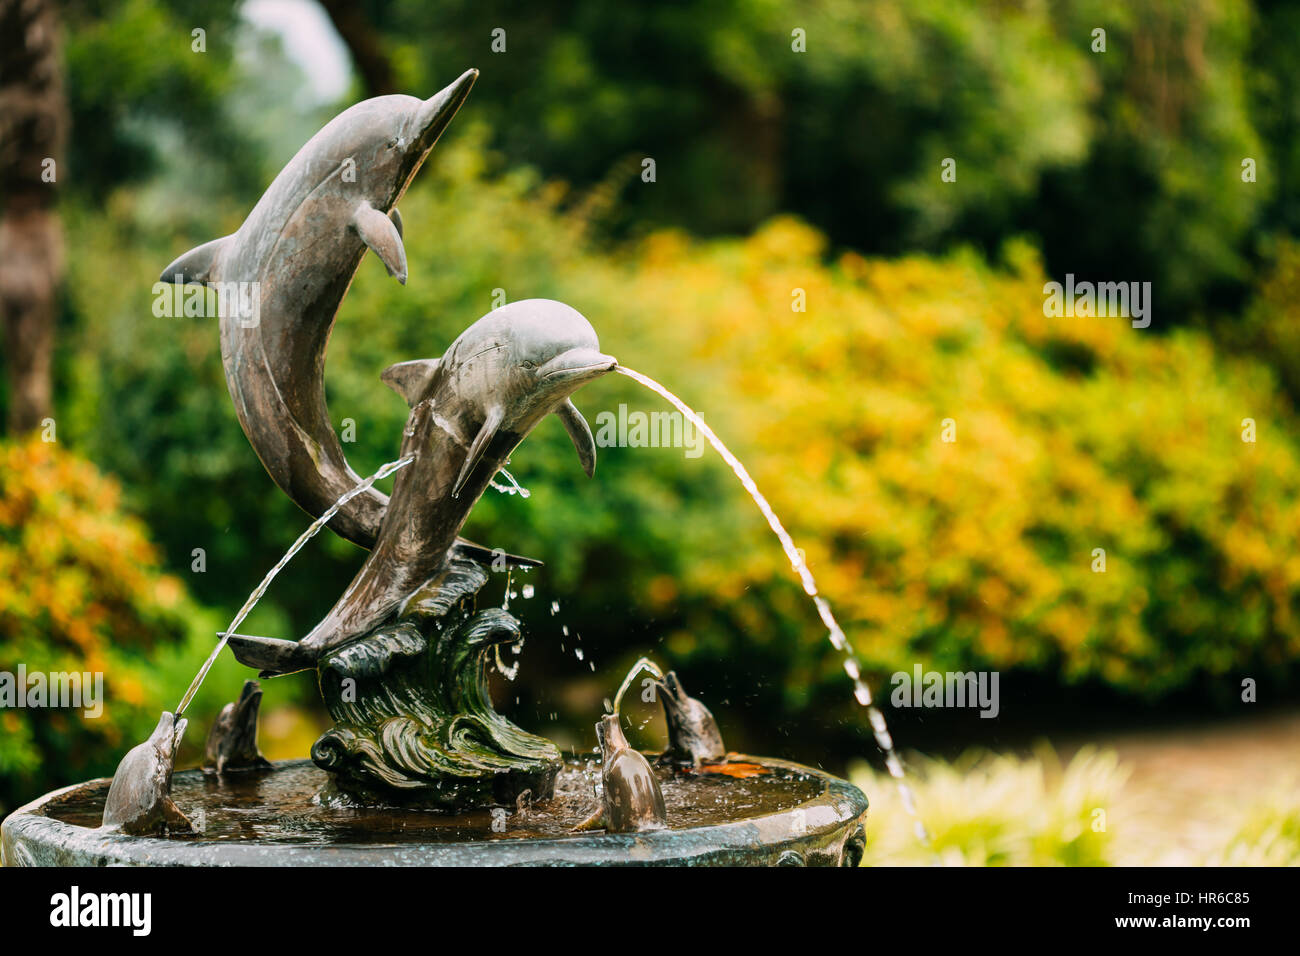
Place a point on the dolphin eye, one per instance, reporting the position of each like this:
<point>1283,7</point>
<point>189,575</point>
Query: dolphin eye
<point>392,143</point>
<point>528,365</point>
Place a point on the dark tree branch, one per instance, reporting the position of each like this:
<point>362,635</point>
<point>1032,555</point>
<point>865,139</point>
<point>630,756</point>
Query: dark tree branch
<point>363,43</point>
<point>33,127</point>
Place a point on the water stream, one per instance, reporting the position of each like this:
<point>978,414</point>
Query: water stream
<point>260,590</point>
<point>643,664</point>
<point>513,488</point>
<point>834,632</point>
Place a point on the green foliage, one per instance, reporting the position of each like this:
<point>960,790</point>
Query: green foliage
<point>996,810</point>
<point>138,88</point>
<point>986,809</point>
<point>1265,832</point>
<point>1072,435</point>
<point>1124,163</point>
<point>1270,327</point>
<point>84,593</point>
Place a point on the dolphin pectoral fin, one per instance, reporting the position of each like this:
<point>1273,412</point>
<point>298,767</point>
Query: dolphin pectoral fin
<point>273,656</point>
<point>410,379</point>
<point>491,556</point>
<point>381,234</point>
<point>493,421</point>
<point>194,266</point>
<point>580,432</point>
<point>396,216</point>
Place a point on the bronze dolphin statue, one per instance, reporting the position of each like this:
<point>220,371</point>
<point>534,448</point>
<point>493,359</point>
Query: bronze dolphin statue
<point>232,741</point>
<point>469,411</point>
<point>294,259</point>
<point>631,800</point>
<point>693,735</point>
<point>139,799</point>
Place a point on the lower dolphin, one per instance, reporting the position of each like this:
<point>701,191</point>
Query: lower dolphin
<point>469,411</point>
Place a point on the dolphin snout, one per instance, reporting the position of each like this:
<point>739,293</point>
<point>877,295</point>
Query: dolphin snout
<point>433,115</point>
<point>577,366</point>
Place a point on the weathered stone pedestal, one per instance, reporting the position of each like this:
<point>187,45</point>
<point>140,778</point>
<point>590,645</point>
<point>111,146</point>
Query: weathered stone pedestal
<point>746,812</point>
<point>414,723</point>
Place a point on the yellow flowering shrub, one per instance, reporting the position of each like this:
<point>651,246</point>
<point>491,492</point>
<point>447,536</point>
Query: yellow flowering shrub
<point>1109,503</point>
<point>80,592</point>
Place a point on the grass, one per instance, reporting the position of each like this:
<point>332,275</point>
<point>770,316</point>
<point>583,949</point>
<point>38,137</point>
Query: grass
<point>987,809</point>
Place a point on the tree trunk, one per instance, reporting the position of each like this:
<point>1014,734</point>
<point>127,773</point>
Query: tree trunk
<point>363,44</point>
<point>33,124</point>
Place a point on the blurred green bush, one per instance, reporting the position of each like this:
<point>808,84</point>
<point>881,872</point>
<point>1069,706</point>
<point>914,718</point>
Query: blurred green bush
<point>1123,157</point>
<point>988,809</point>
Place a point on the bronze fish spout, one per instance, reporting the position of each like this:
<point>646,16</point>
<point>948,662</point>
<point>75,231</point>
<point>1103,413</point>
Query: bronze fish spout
<point>232,741</point>
<point>139,799</point>
<point>693,735</point>
<point>631,800</point>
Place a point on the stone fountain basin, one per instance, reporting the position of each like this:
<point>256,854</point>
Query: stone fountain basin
<point>787,814</point>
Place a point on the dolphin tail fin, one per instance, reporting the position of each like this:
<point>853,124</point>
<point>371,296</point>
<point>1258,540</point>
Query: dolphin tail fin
<point>273,656</point>
<point>194,266</point>
<point>492,556</point>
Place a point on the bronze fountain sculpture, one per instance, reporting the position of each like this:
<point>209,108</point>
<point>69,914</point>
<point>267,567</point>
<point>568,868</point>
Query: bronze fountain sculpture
<point>401,659</point>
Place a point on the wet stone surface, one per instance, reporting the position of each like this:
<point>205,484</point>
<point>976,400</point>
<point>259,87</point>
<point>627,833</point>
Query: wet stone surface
<point>283,806</point>
<point>746,811</point>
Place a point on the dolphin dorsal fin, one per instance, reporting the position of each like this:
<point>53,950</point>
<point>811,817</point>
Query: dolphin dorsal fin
<point>410,379</point>
<point>194,266</point>
<point>580,433</point>
<point>381,234</point>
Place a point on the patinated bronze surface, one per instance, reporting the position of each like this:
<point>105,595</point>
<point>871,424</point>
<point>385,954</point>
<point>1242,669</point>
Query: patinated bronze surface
<point>139,800</point>
<point>693,735</point>
<point>400,657</point>
<point>232,741</point>
<point>414,723</point>
<point>630,800</point>
<point>282,275</point>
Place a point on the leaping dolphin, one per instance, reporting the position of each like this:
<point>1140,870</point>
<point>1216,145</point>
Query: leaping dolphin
<point>294,259</point>
<point>469,411</point>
